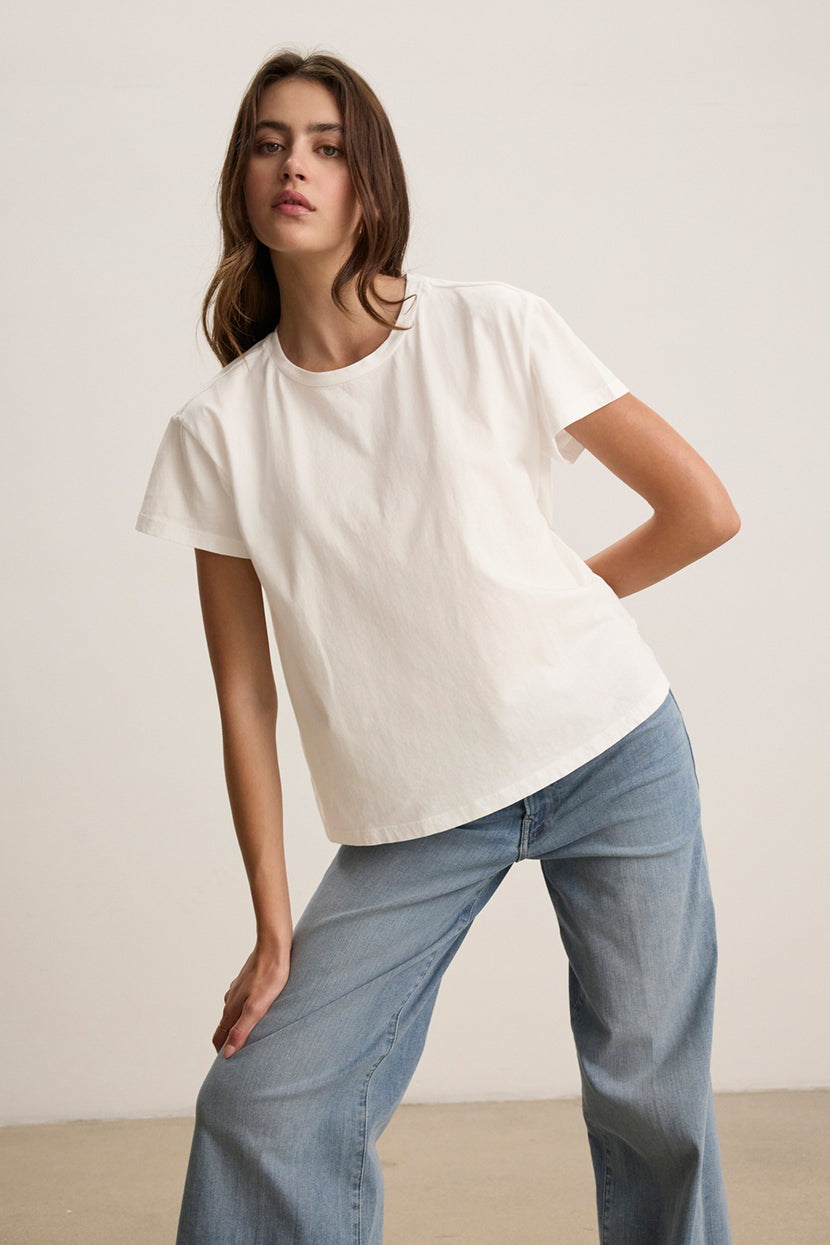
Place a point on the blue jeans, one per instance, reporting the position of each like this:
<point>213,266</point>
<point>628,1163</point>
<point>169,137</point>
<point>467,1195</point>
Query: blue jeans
<point>284,1145</point>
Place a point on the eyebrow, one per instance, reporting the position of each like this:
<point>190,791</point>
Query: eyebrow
<point>317,127</point>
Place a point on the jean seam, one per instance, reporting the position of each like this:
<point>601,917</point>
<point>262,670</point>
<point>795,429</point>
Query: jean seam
<point>606,1192</point>
<point>578,1005</point>
<point>688,741</point>
<point>462,924</point>
<point>365,1103</point>
<point>605,1189</point>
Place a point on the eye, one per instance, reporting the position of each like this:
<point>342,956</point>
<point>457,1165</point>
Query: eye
<point>269,145</point>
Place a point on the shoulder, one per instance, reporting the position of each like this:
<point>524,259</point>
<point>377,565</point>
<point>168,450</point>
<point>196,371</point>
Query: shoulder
<point>495,309</point>
<point>228,393</point>
<point>480,296</point>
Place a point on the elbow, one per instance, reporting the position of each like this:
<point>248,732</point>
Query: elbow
<point>720,525</point>
<point>703,525</point>
<point>726,523</point>
<point>719,520</point>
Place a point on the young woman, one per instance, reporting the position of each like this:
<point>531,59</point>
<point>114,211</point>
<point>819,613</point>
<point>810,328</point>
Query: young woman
<point>375,456</point>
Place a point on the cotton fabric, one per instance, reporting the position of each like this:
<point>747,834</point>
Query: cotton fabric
<point>444,650</point>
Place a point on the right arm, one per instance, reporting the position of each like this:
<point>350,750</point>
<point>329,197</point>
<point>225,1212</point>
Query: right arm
<point>234,619</point>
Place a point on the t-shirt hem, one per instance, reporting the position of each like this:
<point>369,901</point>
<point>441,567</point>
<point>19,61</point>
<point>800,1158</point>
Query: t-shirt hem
<point>530,783</point>
<point>169,529</point>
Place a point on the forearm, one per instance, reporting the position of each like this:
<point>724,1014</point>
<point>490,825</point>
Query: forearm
<point>658,548</point>
<point>255,793</point>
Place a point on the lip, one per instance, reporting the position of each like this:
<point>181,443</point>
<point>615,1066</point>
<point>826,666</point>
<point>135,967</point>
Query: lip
<point>300,204</point>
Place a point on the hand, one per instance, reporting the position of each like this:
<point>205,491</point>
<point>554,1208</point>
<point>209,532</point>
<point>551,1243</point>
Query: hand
<point>251,993</point>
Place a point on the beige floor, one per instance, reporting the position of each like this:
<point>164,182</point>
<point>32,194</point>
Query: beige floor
<point>508,1173</point>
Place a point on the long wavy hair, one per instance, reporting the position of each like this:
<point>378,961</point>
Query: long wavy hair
<point>244,292</point>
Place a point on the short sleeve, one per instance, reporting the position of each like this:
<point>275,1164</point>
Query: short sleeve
<point>569,381</point>
<point>188,498</point>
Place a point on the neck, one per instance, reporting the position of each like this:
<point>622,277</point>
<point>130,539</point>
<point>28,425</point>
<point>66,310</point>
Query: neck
<point>313,332</point>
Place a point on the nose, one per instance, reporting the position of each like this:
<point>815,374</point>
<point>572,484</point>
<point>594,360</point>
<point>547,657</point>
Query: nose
<point>292,165</point>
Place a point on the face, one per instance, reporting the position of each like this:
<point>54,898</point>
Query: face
<point>288,157</point>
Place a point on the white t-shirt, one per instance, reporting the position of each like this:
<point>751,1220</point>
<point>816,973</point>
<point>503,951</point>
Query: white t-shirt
<point>445,652</point>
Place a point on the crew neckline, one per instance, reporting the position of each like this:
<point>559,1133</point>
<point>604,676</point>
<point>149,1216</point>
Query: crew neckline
<point>337,376</point>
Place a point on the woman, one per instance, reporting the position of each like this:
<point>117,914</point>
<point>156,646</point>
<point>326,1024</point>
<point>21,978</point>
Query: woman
<point>375,456</point>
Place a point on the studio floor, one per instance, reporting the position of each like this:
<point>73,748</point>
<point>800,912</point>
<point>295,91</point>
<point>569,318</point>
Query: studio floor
<point>485,1173</point>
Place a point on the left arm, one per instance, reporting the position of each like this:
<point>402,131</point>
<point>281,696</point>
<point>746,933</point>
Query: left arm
<point>693,513</point>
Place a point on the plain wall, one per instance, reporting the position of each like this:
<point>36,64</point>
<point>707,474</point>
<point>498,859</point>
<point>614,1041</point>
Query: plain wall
<point>657,174</point>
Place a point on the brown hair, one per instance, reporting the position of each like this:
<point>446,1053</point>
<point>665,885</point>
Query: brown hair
<point>244,290</point>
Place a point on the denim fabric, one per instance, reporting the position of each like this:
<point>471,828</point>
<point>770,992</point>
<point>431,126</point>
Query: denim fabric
<point>284,1145</point>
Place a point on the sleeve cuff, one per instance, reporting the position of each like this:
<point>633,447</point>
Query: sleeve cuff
<point>169,529</point>
<point>568,447</point>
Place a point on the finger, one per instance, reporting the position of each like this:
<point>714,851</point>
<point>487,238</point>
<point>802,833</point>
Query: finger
<point>220,1036</point>
<point>229,1017</point>
<point>252,1012</point>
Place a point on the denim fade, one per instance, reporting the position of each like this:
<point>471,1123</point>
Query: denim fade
<point>284,1144</point>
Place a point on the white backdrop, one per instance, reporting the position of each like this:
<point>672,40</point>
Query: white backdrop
<point>658,174</point>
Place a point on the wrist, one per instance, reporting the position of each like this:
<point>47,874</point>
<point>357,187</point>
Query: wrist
<point>275,938</point>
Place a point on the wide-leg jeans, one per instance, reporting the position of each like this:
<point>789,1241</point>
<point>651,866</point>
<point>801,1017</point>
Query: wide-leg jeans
<point>284,1145</point>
